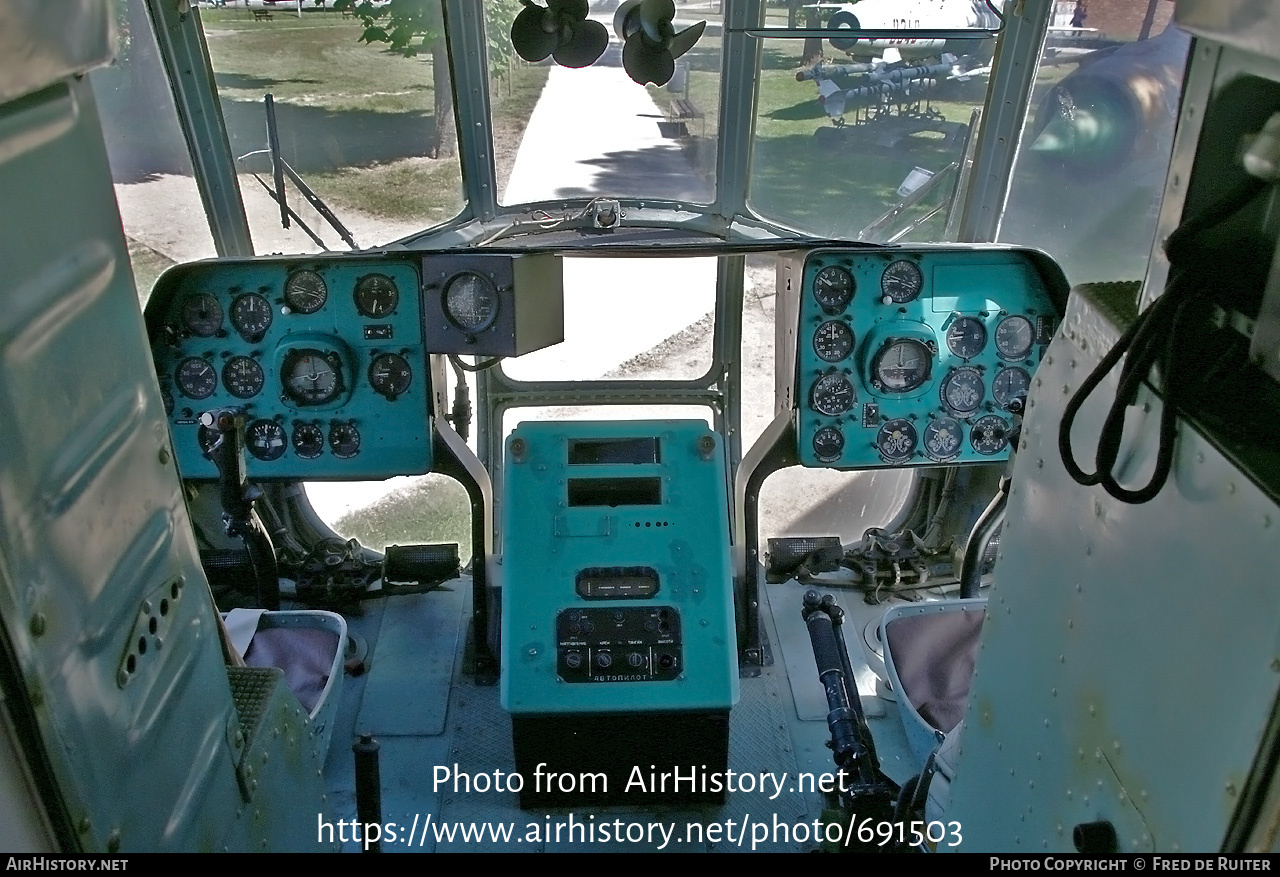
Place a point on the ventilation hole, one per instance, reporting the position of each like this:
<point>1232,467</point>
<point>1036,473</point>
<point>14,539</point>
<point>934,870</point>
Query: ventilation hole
<point>164,608</point>
<point>152,625</point>
<point>173,590</point>
<point>142,645</point>
<point>130,663</point>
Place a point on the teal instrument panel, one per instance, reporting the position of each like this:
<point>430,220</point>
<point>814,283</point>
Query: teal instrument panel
<point>916,356</point>
<point>325,356</point>
<point>618,591</point>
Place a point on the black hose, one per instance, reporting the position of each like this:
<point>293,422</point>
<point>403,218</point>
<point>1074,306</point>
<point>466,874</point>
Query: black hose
<point>1156,339</point>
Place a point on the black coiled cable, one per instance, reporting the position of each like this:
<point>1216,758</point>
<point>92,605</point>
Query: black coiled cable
<point>1156,338</point>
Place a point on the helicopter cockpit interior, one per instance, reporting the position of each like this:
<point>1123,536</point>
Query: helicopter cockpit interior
<point>443,426</point>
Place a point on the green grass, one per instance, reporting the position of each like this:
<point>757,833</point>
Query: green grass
<point>410,188</point>
<point>426,189</point>
<point>803,172</point>
<point>356,120</point>
<point>807,174</point>
<point>434,510</point>
<point>315,64</point>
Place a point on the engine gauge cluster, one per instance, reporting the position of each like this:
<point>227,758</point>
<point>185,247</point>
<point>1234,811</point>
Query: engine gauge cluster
<point>915,356</point>
<point>325,355</point>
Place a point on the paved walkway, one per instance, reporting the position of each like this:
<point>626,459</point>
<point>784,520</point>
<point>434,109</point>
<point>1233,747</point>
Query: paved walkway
<point>594,132</point>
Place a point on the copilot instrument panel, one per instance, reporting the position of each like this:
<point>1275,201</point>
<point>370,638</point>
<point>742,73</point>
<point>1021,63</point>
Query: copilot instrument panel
<point>325,356</point>
<point>906,357</point>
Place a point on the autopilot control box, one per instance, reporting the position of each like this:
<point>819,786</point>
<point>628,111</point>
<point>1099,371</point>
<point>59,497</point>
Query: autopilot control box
<point>618,643</point>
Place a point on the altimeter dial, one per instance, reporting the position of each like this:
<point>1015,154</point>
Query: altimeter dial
<point>242,377</point>
<point>833,341</point>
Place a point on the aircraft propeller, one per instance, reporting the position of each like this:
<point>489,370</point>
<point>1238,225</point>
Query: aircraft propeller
<point>650,42</point>
<point>559,29</point>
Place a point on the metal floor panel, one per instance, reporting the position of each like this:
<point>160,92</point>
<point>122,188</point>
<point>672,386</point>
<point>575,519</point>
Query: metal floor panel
<point>407,692</point>
<point>474,739</point>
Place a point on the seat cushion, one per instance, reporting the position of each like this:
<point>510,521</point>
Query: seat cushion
<point>934,654</point>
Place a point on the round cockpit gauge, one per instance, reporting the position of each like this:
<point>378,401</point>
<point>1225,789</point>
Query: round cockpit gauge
<point>966,337</point>
<point>990,435</point>
<point>196,378</point>
<point>828,444</point>
<point>390,375</point>
<point>344,439</point>
<point>902,366</point>
<point>251,316</point>
<point>962,390</point>
<point>305,292</point>
<point>376,295</point>
<point>207,438</point>
<point>942,439</point>
<point>833,341</point>
<point>265,439</point>
<point>896,440</point>
<point>202,315</point>
<point>243,377</point>
<point>832,394</point>
<point>1010,388</point>
<point>833,288</point>
<point>1014,337</point>
<point>470,302</point>
<point>308,440</point>
<point>902,281</point>
<point>311,377</point>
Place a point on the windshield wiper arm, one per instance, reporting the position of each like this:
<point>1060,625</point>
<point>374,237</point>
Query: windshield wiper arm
<point>280,169</point>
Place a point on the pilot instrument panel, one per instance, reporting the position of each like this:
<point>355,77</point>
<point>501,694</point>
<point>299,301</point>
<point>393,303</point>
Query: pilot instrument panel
<point>908,357</point>
<point>325,357</point>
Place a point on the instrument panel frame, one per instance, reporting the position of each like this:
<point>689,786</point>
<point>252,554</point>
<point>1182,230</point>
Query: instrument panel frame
<point>985,283</point>
<point>395,433</point>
